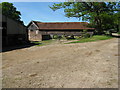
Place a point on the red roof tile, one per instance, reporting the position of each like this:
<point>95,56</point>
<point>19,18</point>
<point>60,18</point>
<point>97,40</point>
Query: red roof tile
<point>62,25</point>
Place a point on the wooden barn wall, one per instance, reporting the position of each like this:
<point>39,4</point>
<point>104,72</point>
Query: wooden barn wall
<point>13,32</point>
<point>68,32</point>
<point>36,35</point>
<point>14,27</point>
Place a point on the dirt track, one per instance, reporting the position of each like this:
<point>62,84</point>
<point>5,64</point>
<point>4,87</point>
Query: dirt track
<point>80,65</point>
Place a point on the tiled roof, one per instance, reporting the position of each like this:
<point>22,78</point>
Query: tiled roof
<point>62,25</point>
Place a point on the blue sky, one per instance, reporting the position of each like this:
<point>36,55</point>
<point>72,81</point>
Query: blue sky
<point>40,11</point>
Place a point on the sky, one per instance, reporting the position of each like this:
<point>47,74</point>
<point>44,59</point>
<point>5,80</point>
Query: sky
<point>40,11</point>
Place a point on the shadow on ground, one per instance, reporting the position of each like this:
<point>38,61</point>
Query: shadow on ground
<point>19,46</point>
<point>116,36</point>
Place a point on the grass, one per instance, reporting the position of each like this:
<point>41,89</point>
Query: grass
<point>94,38</point>
<point>45,42</point>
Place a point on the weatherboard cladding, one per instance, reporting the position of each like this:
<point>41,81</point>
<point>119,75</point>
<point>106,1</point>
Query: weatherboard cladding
<point>62,25</point>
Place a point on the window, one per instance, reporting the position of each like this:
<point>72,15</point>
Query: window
<point>36,31</point>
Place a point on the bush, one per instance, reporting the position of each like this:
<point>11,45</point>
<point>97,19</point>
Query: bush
<point>85,34</point>
<point>69,37</point>
<point>55,36</point>
<point>78,37</point>
<point>119,32</point>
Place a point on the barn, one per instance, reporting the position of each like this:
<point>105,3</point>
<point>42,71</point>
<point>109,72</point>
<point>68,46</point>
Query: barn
<point>13,32</point>
<point>44,30</point>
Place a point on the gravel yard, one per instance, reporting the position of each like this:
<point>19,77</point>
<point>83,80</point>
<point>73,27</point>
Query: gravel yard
<point>77,65</point>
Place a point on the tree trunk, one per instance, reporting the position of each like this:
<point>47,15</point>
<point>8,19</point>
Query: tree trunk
<point>99,24</point>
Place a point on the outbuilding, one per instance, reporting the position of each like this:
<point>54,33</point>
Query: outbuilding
<point>44,30</point>
<point>13,32</point>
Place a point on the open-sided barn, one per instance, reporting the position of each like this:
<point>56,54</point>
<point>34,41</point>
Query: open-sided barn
<point>43,30</point>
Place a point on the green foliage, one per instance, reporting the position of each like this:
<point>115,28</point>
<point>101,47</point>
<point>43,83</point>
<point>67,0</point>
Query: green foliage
<point>85,34</point>
<point>43,43</point>
<point>78,37</point>
<point>69,37</point>
<point>118,32</point>
<point>94,38</point>
<point>55,36</point>
<point>101,15</point>
<point>10,11</point>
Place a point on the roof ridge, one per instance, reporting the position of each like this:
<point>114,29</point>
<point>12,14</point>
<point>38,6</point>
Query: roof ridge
<point>37,21</point>
<point>62,25</point>
<point>58,22</point>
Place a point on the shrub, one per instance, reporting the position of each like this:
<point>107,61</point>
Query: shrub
<point>78,37</point>
<point>85,34</point>
<point>119,32</point>
<point>69,37</point>
<point>55,36</point>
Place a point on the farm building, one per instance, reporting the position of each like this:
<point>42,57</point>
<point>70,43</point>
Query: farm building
<point>13,32</point>
<point>44,30</point>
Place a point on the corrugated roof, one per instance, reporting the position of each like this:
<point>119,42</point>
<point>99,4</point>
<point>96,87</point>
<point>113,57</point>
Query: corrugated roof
<point>62,25</point>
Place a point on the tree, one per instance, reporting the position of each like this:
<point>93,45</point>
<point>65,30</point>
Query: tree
<point>94,12</point>
<point>110,21</point>
<point>10,11</point>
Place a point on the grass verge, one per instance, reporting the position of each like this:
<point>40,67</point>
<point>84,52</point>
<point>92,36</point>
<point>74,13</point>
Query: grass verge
<point>45,42</point>
<point>91,39</point>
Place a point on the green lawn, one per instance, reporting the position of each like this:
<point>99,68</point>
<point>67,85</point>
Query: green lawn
<point>94,38</point>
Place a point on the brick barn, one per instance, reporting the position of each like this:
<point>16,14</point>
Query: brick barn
<point>44,30</point>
